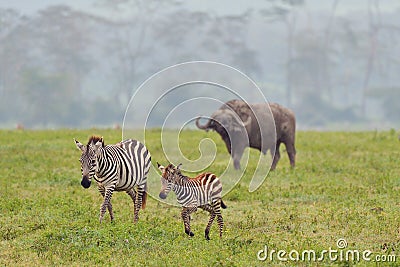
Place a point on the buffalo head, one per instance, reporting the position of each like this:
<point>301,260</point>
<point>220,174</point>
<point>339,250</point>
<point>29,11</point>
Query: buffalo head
<point>231,129</point>
<point>224,120</point>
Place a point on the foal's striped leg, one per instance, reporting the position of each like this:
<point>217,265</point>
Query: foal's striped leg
<point>210,209</point>
<point>217,210</point>
<point>186,211</point>
<point>210,221</point>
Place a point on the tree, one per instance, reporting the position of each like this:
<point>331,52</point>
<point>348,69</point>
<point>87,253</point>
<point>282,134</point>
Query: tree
<point>64,38</point>
<point>388,96</point>
<point>285,11</point>
<point>130,46</point>
<point>14,56</point>
<point>326,47</point>
<point>374,22</point>
<point>45,98</point>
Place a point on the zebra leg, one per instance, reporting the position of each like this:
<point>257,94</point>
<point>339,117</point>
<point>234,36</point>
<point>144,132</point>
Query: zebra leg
<point>210,209</point>
<point>186,219</point>
<point>110,211</point>
<point>217,212</point>
<point>220,221</point>
<point>132,194</point>
<point>210,221</point>
<point>141,191</point>
<point>106,204</point>
<point>109,207</point>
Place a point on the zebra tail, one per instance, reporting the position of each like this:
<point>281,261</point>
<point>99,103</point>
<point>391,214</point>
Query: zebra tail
<point>223,205</point>
<point>144,199</point>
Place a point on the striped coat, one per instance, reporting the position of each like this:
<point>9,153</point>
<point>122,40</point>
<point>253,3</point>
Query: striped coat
<point>204,191</point>
<point>120,167</point>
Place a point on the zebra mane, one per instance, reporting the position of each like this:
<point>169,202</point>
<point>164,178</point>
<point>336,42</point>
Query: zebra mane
<point>94,139</point>
<point>176,171</point>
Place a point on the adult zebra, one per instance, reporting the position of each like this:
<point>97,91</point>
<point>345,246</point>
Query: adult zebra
<point>203,191</point>
<point>120,167</point>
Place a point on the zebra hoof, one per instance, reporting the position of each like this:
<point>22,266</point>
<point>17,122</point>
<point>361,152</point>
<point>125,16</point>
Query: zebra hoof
<point>206,234</point>
<point>189,233</point>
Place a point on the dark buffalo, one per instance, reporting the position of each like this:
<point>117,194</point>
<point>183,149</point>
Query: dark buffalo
<point>244,125</point>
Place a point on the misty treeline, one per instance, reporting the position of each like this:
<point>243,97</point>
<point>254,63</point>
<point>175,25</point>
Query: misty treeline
<point>62,67</point>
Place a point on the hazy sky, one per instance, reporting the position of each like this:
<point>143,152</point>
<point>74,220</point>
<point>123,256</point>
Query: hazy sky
<point>108,73</point>
<point>228,6</point>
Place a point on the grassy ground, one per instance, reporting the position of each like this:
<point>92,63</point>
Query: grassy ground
<point>345,185</point>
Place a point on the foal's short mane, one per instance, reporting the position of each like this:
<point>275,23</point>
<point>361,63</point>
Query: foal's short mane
<point>178,171</point>
<point>94,139</point>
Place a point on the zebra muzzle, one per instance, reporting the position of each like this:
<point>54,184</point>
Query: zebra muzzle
<point>162,195</point>
<point>85,182</point>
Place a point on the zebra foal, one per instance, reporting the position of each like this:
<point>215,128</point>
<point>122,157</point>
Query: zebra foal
<point>203,191</point>
<point>120,167</point>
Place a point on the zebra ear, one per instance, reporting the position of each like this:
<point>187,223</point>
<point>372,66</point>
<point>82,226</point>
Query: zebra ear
<point>79,145</point>
<point>179,166</point>
<point>98,145</point>
<point>160,166</point>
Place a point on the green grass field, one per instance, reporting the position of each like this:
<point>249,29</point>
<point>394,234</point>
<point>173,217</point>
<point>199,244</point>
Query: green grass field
<point>345,185</point>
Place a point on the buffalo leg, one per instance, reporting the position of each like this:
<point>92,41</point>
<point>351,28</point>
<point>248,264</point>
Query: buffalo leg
<point>236,156</point>
<point>291,151</point>
<point>276,157</point>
